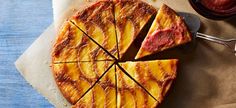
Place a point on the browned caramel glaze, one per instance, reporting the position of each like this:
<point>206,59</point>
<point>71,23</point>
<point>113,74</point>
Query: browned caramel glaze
<point>131,16</point>
<point>73,45</point>
<point>131,95</point>
<point>102,95</point>
<point>98,22</point>
<point>74,79</point>
<point>134,11</point>
<point>64,42</point>
<point>155,76</point>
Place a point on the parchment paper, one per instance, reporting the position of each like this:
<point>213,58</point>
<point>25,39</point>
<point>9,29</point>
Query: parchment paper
<point>206,75</point>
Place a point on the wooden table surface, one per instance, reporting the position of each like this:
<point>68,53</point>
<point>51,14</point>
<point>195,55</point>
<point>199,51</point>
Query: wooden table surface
<point>21,22</point>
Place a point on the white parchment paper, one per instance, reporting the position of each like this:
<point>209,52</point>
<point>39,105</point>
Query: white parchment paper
<point>34,66</point>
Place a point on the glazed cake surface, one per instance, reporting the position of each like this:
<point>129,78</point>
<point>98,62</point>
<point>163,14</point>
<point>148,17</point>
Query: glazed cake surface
<point>86,57</point>
<point>130,16</point>
<point>73,45</point>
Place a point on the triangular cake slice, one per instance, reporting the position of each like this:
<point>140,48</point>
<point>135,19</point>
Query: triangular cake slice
<point>103,93</point>
<point>130,94</point>
<point>131,16</point>
<point>74,79</point>
<point>98,22</point>
<point>155,76</point>
<point>73,45</point>
<point>168,30</point>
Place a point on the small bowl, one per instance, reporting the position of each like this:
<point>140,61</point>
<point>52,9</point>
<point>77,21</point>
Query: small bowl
<point>201,9</point>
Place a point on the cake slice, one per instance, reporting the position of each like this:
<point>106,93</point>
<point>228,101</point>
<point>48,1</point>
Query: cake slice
<point>103,93</point>
<point>73,45</point>
<point>130,16</point>
<point>155,76</point>
<point>130,94</point>
<point>74,79</point>
<point>168,30</point>
<point>98,22</point>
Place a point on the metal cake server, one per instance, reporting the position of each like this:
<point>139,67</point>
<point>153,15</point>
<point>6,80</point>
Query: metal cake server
<point>193,22</point>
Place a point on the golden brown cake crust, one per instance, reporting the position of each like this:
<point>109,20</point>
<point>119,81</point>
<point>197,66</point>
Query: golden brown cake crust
<point>98,21</point>
<point>65,44</point>
<point>130,94</point>
<point>67,86</point>
<point>155,76</point>
<point>74,79</point>
<point>102,95</point>
<point>131,16</point>
<point>72,45</point>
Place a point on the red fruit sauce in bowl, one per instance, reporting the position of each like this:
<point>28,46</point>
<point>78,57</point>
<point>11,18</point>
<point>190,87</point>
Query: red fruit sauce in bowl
<point>215,9</point>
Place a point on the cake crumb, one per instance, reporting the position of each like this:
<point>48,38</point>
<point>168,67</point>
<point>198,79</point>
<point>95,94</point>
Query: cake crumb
<point>65,104</point>
<point>235,50</point>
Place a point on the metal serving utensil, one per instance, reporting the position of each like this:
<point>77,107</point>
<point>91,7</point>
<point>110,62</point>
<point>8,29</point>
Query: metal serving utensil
<point>193,22</point>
